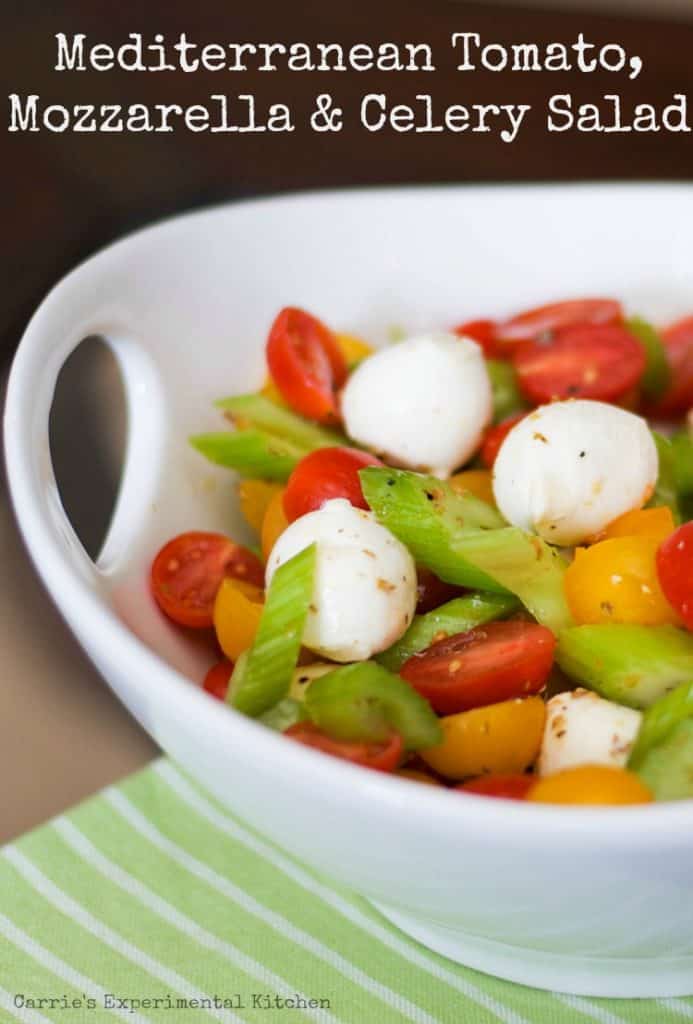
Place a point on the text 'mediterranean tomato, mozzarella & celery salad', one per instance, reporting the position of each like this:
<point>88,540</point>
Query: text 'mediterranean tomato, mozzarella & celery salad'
<point>475,553</point>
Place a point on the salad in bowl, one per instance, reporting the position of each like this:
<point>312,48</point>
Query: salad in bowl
<point>474,560</point>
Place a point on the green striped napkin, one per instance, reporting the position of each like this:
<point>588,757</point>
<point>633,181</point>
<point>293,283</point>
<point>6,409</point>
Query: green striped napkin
<point>151,902</point>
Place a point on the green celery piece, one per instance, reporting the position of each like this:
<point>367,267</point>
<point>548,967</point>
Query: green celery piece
<point>667,769</point>
<point>365,702</point>
<point>250,452</point>
<point>660,720</point>
<point>507,397</point>
<point>657,374</point>
<point>266,675</point>
<point>631,665</point>
<point>682,450</point>
<point>427,515</point>
<point>263,414</point>
<point>456,616</point>
<point>285,713</point>
<point>666,492</point>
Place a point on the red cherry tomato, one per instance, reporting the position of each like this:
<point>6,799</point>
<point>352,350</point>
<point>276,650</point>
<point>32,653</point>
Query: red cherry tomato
<point>678,341</point>
<point>483,332</point>
<point>485,665</point>
<point>187,572</point>
<point>587,361</point>
<point>325,474</point>
<point>675,571</point>
<point>431,591</point>
<point>218,678</point>
<point>383,757</point>
<point>544,321</point>
<point>495,436</point>
<point>512,787</point>
<point>306,363</point>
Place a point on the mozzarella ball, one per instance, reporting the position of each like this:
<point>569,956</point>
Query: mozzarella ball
<point>570,468</point>
<point>583,728</point>
<point>422,403</point>
<point>364,595</point>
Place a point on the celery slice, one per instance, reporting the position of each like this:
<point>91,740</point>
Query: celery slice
<point>660,720</point>
<point>366,702</point>
<point>667,769</point>
<point>285,713</point>
<point>263,414</point>
<point>632,665</point>
<point>507,397</point>
<point>657,375</point>
<point>250,452</point>
<point>456,616</point>
<point>266,675</point>
<point>666,492</point>
<point>426,514</point>
<point>682,451</point>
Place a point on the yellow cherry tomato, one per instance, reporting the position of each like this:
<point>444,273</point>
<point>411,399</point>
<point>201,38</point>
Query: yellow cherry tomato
<point>274,522</point>
<point>417,776</point>
<point>270,390</point>
<point>501,738</point>
<point>616,581</point>
<point>255,496</point>
<point>478,481</point>
<point>642,522</point>
<point>590,784</point>
<point>237,611</point>
<point>353,349</point>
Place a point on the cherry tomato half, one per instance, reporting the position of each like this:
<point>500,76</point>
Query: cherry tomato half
<point>431,591</point>
<point>590,784</point>
<point>306,364</point>
<point>512,787</point>
<point>678,341</point>
<point>383,757</point>
<point>217,680</point>
<point>495,436</point>
<point>675,571</point>
<point>544,321</point>
<point>325,474</point>
<point>483,332</point>
<point>188,571</point>
<point>485,665</point>
<point>588,361</point>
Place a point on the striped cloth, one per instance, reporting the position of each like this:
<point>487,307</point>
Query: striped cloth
<point>150,902</point>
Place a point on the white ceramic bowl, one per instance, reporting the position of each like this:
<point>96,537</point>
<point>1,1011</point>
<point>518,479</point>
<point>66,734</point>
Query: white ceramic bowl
<point>592,901</point>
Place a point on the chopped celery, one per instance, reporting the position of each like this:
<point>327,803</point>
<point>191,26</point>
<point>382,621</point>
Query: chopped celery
<point>263,414</point>
<point>285,713</point>
<point>682,450</point>
<point>426,514</point>
<point>250,452</point>
<point>507,398</point>
<point>266,674</point>
<point>459,543</point>
<point>667,769</point>
<point>632,665</point>
<point>666,492</point>
<point>366,702</point>
<point>657,374</point>
<point>660,719</point>
<point>456,616</point>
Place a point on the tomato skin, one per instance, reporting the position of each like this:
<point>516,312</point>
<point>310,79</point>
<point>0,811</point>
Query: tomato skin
<point>325,474</point>
<point>544,321</point>
<point>486,665</point>
<point>616,581</point>
<point>306,364</point>
<point>431,591</point>
<point>587,361</point>
<point>382,757</point>
<point>495,436</point>
<point>478,482</point>
<point>237,611</point>
<point>217,680</point>
<point>590,784</point>
<point>678,341</point>
<point>274,522</point>
<point>188,571</point>
<point>643,522</point>
<point>483,332</point>
<point>510,787</point>
<point>675,571</point>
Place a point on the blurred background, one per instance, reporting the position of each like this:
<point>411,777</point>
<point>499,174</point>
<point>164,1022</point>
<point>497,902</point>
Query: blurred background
<point>62,735</point>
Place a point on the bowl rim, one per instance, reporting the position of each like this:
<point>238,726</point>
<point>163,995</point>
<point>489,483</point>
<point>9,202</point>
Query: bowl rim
<point>501,820</point>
